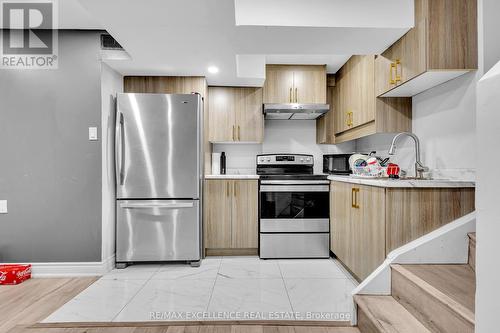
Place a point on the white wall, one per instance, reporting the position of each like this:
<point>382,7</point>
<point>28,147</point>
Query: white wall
<point>487,202</point>
<point>487,196</point>
<point>280,136</point>
<point>444,119</point>
<point>111,83</point>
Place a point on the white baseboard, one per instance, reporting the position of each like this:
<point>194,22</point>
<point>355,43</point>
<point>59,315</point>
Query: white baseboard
<point>72,269</point>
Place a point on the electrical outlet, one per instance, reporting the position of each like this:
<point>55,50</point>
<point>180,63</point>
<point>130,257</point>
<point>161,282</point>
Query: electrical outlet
<point>3,206</point>
<point>92,133</point>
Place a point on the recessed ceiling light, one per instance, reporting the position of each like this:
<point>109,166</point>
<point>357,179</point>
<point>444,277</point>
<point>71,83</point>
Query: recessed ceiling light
<point>213,69</point>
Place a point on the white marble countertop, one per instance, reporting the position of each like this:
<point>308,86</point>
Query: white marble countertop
<point>386,182</point>
<point>233,176</point>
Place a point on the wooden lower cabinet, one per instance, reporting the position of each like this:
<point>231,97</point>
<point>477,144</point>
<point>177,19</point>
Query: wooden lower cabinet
<point>244,214</point>
<point>230,216</point>
<point>217,213</point>
<point>357,226</point>
<point>368,222</point>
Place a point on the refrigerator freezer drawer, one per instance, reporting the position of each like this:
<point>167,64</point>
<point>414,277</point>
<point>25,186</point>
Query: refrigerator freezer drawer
<point>158,230</point>
<point>311,245</point>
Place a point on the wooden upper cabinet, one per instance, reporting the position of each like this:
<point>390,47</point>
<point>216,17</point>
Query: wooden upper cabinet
<point>235,114</point>
<point>221,114</point>
<point>295,84</point>
<point>325,132</point>
<point>309,84</point>
<point>358,111</point>
<point>249,115</point>
<point>278,87</point>
<point>441,46</point>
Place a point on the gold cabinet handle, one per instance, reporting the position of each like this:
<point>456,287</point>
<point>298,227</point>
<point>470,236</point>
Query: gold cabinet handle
<point>349,121</point>
<point>227,189</point>
<point>296,95</point>
<point>392,71</point>
<point>239,132</point>
<point>233,134</point>
<point>398,76</point>
<point>290,95</point>
<point>354,197</point>
<point>234,188</point>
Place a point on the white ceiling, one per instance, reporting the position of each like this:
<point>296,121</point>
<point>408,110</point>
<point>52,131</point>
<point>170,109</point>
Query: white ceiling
<point>72,15</point>
<point>185,37</point>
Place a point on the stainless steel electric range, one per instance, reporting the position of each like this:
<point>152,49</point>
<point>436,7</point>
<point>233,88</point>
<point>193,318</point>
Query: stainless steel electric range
<point>293,208</point>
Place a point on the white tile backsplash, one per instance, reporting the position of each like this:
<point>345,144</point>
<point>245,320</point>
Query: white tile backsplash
<point>280,136</point>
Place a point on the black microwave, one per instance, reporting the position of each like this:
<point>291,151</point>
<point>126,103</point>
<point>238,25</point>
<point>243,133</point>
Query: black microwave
<point>337,164</point>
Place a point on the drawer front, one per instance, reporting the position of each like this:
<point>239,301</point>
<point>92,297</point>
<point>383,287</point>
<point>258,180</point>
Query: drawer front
<point>294,225</point>
<point>311,245</point>
<point>158,230</point>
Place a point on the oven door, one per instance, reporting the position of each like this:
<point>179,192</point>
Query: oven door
<point>294,208</point>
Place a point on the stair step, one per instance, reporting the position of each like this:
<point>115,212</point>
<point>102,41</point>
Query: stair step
<point>381,314</point>
<point>442,297</point>
<point>472,250</point>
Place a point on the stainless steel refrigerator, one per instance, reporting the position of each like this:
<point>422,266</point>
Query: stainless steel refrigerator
<point>159,155</point>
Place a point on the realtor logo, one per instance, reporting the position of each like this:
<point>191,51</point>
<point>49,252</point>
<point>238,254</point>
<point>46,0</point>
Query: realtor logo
<point>29,35</point>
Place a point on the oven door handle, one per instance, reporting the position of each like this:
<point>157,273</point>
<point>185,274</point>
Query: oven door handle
<point>294,188</point>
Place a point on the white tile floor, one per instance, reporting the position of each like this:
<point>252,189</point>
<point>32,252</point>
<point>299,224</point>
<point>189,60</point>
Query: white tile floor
<point>229,288</point>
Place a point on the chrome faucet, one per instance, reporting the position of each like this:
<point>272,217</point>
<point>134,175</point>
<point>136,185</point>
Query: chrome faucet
<point>419,167</point>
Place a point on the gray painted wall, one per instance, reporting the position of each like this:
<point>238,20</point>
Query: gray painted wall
<point>49,172</point>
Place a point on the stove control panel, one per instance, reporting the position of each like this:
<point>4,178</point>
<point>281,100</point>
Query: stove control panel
<point>285,159</point>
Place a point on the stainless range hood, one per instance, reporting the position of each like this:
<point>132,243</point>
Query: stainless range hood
<point>294,111</point>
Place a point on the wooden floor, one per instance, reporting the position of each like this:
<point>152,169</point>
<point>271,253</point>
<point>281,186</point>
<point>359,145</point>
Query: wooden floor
<point>22,307</point>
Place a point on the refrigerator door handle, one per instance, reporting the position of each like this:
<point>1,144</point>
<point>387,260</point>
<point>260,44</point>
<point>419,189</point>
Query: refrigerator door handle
<point>158,205</point>
<point>119,149</point>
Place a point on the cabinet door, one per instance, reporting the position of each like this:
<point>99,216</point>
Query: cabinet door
<point>340,115</point>
<point>221,114</point>
<point>309,83</point>
<point>387,68</point>
<point>340,221</point>
<point>413,52</point>
<point>368,229</point>
<point>404,60</point>
<point>249,116</point>
<point>217,213</point>
<point>361,90</point>
<point>278,87</point>
<point>244,226</point>
<point>325,131</point>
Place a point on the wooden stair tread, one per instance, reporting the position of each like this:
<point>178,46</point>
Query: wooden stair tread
<point>388,315</point>
<point>472,236</point>
<point>458,282</point>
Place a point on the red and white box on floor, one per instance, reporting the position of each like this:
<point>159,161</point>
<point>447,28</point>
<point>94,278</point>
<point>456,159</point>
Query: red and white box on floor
<point>14,274</point>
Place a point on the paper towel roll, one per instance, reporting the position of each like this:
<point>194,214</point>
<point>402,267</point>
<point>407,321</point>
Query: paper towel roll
<point>215,163</point>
